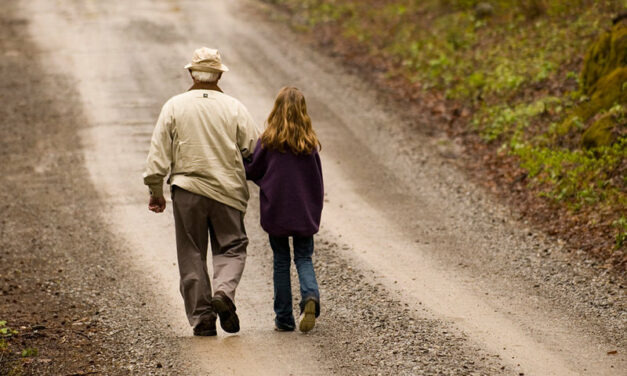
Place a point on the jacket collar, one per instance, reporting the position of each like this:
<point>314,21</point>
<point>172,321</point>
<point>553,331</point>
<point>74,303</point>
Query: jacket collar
<point>205,86</point>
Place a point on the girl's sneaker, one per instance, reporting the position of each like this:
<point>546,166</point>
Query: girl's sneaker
<point>307,319</point>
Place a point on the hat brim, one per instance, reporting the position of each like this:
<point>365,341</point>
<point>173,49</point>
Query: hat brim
<point>205,68</point>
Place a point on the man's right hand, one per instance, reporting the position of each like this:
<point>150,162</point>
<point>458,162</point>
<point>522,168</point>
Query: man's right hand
<point>156,204</point>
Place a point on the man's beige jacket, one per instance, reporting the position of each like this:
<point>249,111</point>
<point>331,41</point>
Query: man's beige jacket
<point>201,138</point>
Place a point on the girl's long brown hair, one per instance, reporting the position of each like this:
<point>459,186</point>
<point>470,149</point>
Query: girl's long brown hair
<point>288,125</point>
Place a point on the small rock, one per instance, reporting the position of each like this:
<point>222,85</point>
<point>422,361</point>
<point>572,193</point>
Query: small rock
<point>483,10</point>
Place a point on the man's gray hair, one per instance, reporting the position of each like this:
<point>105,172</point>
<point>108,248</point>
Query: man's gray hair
<point>205,76</point>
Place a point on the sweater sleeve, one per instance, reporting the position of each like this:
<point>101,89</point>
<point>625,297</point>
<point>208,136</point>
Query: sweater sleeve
<point>160,155</point>
<point>247,131</point>
<point>319,165</point>
<point>256,167</point>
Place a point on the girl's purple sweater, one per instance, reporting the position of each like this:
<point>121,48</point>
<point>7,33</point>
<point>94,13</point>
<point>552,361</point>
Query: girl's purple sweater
<point>291,191</point>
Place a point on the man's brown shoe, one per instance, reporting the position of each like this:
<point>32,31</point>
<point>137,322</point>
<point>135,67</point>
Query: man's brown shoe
<point>225,309</point>
<point>206,327</point>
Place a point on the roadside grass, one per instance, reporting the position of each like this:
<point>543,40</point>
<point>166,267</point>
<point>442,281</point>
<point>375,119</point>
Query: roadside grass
<point>8,360</point>
<point>10,363</point>
<point>523,68</point>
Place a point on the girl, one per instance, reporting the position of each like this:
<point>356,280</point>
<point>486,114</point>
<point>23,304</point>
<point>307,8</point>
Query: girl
<point>286,166</point>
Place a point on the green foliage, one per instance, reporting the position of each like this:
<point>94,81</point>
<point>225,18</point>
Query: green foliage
<point>502,120</point>
<point>5,331</point>
<point>442,44</point>
<point>579,177</point>
<point>621,234</point>
<point>5,334</point>
<point>29,352</point>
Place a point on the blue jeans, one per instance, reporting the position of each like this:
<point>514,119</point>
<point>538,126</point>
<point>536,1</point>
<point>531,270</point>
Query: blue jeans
<point>303,249</point>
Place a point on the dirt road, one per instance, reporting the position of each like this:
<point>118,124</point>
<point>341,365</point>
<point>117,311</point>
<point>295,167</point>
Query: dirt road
<point>421,273</point>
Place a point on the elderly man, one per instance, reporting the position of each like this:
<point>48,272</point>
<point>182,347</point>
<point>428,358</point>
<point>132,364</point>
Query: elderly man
<point>201,138</point>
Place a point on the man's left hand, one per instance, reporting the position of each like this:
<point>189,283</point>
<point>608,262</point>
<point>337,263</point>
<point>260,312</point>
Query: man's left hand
<point>156,204</point>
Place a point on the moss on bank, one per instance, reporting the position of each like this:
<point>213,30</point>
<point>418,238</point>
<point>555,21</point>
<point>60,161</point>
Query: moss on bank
<point>605,55</point>
<point>604,81</point>
<point>605,131</point>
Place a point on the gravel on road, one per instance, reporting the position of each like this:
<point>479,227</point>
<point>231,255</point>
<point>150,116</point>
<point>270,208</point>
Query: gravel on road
<point>64,285</point>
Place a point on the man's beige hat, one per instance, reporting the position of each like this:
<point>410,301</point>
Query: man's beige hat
<point>207,60</point>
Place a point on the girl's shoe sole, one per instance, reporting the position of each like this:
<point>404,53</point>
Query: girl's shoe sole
<point>308,317</point>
